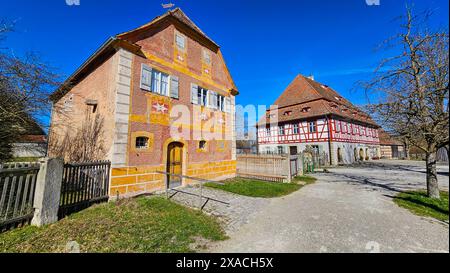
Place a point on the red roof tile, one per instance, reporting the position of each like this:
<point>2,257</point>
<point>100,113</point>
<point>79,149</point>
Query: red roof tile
<point>304,93</point>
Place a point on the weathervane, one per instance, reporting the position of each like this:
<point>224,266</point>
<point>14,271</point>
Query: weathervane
<point>168,5</point>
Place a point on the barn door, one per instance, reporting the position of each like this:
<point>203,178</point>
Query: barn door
<point>175,163</point>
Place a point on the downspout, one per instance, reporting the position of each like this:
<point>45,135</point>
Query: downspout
<point>50,129</point>
<point>330,127</point>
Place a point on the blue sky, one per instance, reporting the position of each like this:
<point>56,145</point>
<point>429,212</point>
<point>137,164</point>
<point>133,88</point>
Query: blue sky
<point>266,43</point>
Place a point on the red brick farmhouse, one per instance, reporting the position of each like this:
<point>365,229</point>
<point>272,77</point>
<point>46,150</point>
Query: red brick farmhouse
<point>162,90</point>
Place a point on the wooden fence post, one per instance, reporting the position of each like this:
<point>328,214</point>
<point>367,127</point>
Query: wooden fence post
<point>48,192</point>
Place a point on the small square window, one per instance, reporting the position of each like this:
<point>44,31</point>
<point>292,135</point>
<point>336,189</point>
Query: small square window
<point>141,142</point>
<point>202,145</point>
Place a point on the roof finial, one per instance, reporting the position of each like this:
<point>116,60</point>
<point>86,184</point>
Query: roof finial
<point>311,77</point>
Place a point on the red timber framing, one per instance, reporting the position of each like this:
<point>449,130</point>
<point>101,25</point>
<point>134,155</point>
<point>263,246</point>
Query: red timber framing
<point>316,130</point>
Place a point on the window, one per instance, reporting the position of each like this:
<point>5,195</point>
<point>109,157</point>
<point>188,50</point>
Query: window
<point>296,129</point>
<point>338,126</point>
<point>141,142</point>
<point>315,148</point>
<point>312,127</point>
<point>160,83</point>
<point>268,131</point>
<point>206,56</point>
<point>202,145</point>
<point>202,96</point>
<point>221,103</point>
<point>280,150</point>
<point>306,109</point>
<point>180,41</point>
<point>281,130</point>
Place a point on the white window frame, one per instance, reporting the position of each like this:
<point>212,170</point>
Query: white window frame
<point>202,95</point>
<point>281,130</point>
<point>312,127</point>
<point>296,129</point>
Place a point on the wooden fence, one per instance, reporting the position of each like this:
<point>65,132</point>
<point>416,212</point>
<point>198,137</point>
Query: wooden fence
<point>276,168</point>
<point>83,185</point>
<point>17,185</point>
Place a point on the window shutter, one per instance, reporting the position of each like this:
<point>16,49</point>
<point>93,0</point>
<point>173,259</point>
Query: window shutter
<point>227,105</point>
<point>194,93</point>
<point>146,77</point>
<point>174,87</point>
<point>212,99</point>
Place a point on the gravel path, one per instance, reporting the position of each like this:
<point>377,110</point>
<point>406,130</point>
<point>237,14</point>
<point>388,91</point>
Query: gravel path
<point>348,210</point>
<point>239,212</point>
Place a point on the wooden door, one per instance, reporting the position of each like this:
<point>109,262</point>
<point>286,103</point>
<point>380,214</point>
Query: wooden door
<point>175,163</point>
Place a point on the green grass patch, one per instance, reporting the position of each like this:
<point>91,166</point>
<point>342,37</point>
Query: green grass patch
<point>24,159</point>
<point>419,203</point>
<point>256,188</point>
<point>144,225</point>
<point>305,179</point>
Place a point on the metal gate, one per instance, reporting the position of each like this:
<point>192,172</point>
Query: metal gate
<point>83,185</point>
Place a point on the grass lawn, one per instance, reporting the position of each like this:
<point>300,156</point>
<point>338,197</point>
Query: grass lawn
<point>256,188</point>
<point>144,225</point>
<point>419,203</point>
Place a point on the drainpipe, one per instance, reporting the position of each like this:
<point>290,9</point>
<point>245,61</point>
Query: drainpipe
<point>330,127</point>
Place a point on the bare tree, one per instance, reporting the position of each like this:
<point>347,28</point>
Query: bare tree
<point>86,144</point>
<point>25,85</point>
<point>412,90</point>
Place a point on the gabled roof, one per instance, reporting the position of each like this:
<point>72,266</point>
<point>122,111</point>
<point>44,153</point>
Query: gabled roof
<point>124,40</point>
<point>179,15</point>
<point>306,98</point>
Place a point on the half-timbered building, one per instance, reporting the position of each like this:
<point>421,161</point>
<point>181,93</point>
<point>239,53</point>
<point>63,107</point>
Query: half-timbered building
<point>312,114</point>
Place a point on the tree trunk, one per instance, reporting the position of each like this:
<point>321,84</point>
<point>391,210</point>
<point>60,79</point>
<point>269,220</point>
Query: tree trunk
<point>432,181</point>
<point>407,155</point>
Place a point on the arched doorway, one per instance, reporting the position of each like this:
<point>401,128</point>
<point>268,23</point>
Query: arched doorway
<point>367,154</point>
<point>175,163</point>
<point>355,154</point>
<point>340,157</point>
<point>361,154</point>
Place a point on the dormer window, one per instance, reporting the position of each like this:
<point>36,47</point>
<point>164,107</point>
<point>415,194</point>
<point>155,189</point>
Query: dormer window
<point>306,109</point>
<point>287,113</point>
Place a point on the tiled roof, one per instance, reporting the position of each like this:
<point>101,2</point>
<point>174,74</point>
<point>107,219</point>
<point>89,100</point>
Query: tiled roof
<point>33,139</point>
<point>176,13</point>
<point>305,98</point>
